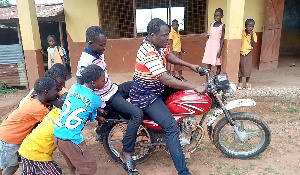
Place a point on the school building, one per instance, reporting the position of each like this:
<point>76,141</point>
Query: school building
<point>124,22</point>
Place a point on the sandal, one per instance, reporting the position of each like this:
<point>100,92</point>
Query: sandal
<point>129,166</point>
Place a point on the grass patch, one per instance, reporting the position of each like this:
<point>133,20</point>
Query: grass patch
<point>167,165</point>
<point>287,103</point>
<point>200,149</point>
<point>270,170</point>
<point>277,111</point>
<point>4,89</point>
<point>261,156</point>
<point>292,110</point>
<point>234,167</point>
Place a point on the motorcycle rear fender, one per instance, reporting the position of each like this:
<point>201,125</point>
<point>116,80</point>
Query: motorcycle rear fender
<point>230,105</point>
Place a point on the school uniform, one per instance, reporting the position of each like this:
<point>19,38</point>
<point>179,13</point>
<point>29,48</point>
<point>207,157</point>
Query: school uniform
<point>176,50</point>
<point>245,65</point>
<point>55,55</point>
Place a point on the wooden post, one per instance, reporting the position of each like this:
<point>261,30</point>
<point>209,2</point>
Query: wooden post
<point>19,33</point>
<point>61,36</point>
<point>170,6</point>
<point>134,14</point>
<point>206,17</point>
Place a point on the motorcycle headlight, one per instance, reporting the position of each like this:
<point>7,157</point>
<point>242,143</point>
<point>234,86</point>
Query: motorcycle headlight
<point>231,91</point>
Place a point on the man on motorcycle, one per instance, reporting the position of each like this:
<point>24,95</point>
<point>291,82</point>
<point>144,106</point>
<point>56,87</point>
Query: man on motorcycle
<point>113,96</point>
<point>149,79</point>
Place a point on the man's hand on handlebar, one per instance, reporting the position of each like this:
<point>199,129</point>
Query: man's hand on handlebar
<point>101,119</point>
<point>200,89</point>
<point>194,67</point>
<point>101,112</point>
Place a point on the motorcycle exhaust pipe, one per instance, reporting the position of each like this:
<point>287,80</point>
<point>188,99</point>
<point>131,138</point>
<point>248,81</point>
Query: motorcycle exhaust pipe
<point>199,141</point>
<point>151,144</point>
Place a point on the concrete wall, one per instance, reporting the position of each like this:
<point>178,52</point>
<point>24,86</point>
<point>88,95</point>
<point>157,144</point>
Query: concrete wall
<point>121,53</point>
<point>290,34</point>
<point>255,9</point>
<point>80,15</point>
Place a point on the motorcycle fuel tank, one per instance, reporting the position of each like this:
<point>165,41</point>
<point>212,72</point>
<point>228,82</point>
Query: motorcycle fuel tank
<point>188,102</point>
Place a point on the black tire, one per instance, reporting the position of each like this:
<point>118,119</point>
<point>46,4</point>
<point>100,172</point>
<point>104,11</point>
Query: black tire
<point>140,155</point>
<point>236,149</point>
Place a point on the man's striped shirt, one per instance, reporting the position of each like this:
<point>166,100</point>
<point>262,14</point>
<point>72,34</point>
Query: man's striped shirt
<point>149,67</point>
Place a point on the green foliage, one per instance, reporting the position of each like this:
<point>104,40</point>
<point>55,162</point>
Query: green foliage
<point>4,3</point>
<point>292,110</point>
<point>6,90</point>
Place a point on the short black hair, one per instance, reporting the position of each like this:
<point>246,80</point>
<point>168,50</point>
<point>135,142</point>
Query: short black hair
<point>54,73</point>
<point>51,36</point>
<point>175,20</point>
<point>219,10</point>
<point>92,73</point>
<point>93,32</point>
<point>60,66</point>
<point>61,100</point>
<point>249,20</point>
<point>154,26</point>
<point>44,83</point>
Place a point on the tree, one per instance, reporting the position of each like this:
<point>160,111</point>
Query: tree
<point>4,3</point>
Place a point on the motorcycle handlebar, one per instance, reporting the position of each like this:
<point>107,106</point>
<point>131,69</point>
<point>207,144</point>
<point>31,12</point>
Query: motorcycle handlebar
<point>203,71</point>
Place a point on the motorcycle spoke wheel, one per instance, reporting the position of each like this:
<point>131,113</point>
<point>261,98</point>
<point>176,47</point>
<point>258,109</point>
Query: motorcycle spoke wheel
<point>113,142</point>
<point>253,129</point>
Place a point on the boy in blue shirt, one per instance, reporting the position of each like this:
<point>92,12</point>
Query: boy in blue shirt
<point>81,104</point>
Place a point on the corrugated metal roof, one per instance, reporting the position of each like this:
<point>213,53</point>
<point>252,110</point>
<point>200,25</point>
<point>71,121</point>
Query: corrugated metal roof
<point>45,10</point>
<point>12,65</point>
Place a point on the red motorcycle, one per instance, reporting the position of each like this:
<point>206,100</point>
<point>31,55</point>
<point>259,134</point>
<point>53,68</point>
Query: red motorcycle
<point>237,135</point>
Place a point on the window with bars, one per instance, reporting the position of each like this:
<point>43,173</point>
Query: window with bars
<point>129,18</point>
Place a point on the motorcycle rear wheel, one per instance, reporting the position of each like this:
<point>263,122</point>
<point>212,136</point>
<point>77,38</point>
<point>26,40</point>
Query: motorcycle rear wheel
<point>113,142</point>
<point>254,130</point>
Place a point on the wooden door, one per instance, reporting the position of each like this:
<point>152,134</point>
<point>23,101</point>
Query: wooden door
<point>271,34</point>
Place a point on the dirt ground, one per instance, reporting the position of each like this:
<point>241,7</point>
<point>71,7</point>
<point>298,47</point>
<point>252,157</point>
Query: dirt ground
<point>282,115</point>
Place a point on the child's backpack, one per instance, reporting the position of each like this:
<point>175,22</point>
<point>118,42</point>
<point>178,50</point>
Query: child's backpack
<point>65,53</point>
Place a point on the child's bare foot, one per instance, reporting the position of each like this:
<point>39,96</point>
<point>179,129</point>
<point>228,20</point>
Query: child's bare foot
<point>248,86</point>
<point>240,86</point>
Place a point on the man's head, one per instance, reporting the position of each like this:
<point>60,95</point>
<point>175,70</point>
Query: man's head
<point>94,76</point>
<point>46,87</point>
<point>51,40</point>
<point>58,76</point>
<point>96,39</point>
<point>158,32</point>
<point>61,100</point>
<point>249,25</point>
<point>175,24</point>
<point>61,67</point>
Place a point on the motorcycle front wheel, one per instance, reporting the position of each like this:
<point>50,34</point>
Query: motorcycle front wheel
<point>113,142</point>
<point>253,129</point>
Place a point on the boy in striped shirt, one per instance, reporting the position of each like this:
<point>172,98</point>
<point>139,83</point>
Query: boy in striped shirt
<point>113,96</point>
